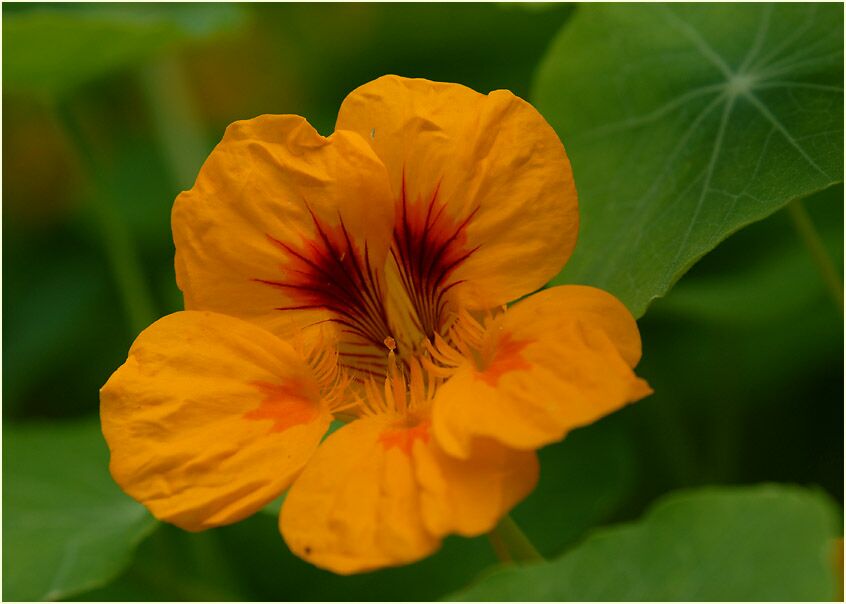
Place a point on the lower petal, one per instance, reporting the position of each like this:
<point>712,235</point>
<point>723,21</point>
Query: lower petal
<point>380,494</point>
<point>469,496</point>
<point>558,360</point>
<point>209,419</point>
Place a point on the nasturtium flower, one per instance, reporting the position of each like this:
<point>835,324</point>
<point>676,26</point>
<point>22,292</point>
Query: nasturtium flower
<point>364,276</point>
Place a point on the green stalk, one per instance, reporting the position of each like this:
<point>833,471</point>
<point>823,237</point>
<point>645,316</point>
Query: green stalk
<point>510,543</point>
<point>117,241</point>
<point>175,119</point>
<point>811,238</point>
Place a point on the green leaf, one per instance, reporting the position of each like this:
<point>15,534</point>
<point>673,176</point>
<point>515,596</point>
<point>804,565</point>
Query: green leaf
<point>755,316</point>
<point>685,123</point>
<point>763,280</point>
<point>754,543</point>
<point>67,526</point>
<point>51,51</point>
<point>250,561</point>
<point>173,564</point>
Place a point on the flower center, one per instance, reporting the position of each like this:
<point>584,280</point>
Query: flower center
<point>391,315</point>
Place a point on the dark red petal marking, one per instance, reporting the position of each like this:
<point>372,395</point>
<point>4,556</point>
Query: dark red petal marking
<point>429,245</point>
<point>330,272</point>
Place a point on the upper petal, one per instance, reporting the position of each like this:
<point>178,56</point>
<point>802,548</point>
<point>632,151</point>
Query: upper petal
<point>210,418</point>
<point>555,361</point>
<point>489,166</point>
<point>281,218</point>
<point>378,493</point>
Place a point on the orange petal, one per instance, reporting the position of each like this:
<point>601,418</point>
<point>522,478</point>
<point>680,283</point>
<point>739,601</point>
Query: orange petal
<point>278,220</point>
<point>490,169</point>
<point>378,494</point>
<point>470,496</point>
<point>209,419</point>
<point>558,360</point>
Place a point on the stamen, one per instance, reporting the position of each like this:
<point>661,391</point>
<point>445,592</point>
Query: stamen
<point>372,398</point>
<point>395,388</point>
<point>443,353</point>
<point>464,342</point>
<point>354,401</point>
<point>434,370</point>
<point>407,388</point>
<point>417,387</point>
<point>470,330</point>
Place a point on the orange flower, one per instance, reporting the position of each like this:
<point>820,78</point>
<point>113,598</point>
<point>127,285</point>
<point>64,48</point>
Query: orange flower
<point>363,276</point>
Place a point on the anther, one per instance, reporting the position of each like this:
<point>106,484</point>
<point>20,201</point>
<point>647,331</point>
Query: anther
<point>390,343</point>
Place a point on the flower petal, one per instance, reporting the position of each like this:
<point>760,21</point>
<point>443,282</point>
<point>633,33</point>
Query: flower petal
<point>558,360</point>
<point>209,419</point>
<point>489,167</point>
<point>355,507</point>
<point>278,220</point>
<point>470,496</point>
<point>377,494</point>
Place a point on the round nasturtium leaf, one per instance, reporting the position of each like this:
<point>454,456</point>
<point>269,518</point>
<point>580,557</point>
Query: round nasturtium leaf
<point>770,542</point>
<point>686,122</point>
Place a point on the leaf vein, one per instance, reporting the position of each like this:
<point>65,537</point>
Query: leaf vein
<point>709,174</point>
<point>765,111</point>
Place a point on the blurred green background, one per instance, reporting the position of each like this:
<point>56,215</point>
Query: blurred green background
<point>108,112</point>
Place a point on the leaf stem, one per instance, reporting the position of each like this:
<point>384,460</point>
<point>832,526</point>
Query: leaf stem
<point>117,241</point>
<point>510,543</point>
<point>175,119</point>
<point>812,240</point>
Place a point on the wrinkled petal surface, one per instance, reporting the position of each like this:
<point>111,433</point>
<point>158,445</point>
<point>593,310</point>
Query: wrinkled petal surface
<point>377,494</point>
<point>278,219</point>
<point>469,497</point>
<point>557,360</point>
<point>482,179</point>
<point>209,419</point>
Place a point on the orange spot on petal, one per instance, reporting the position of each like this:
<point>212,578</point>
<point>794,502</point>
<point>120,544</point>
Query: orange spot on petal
<point>285,405</point>
<point>507,358</point>
<point>404,438</point>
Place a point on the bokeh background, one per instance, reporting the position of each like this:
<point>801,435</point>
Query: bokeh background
<point>745,354</point>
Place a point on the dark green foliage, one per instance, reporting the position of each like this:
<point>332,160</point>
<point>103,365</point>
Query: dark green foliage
<point>754,543</point>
